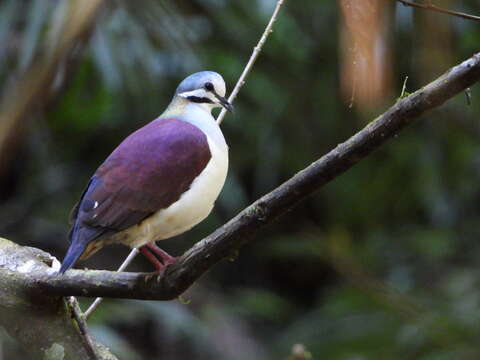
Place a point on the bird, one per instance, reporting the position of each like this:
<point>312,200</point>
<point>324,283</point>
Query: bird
<point>161,180</point>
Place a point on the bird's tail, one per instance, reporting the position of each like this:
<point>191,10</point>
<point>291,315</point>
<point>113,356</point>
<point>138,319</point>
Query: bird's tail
<point>84,242</point>
<point>74,252</point>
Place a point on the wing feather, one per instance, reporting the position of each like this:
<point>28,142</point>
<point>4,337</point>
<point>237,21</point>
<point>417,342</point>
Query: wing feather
<point>147,172</point>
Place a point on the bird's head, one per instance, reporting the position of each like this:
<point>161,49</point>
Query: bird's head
<point>206,88</point>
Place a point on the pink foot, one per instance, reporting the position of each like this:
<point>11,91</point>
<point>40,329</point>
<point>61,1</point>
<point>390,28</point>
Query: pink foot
<point>165,257</point>
<point>158,257</point>
<point>153,259</point>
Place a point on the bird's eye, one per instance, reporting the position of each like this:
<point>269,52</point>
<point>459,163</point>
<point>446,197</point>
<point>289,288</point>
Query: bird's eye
<point>209,86</point>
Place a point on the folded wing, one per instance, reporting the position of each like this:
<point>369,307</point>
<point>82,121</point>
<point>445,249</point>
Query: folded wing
<point>147,172</point>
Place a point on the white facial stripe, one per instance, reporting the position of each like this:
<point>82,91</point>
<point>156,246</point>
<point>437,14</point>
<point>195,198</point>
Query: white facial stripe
<point>197,93</point>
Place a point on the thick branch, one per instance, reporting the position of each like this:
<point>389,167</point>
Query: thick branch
<point>41,321</point>
<point>229,238</point>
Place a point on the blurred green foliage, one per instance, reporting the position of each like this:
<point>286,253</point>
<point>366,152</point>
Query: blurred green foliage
<point>381,264</point>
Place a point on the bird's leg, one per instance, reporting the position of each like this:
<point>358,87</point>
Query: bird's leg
<point>158,257</point>
<point>152,258</point>
<point>166,258</point>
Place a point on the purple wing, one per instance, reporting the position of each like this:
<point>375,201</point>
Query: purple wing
<point>147,172</point>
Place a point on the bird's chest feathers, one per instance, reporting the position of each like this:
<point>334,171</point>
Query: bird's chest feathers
<point>191,208</point>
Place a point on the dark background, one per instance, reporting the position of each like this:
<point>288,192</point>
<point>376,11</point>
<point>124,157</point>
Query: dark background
<point>382,263</point>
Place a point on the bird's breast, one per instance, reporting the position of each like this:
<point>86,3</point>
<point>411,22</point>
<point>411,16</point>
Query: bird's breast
<point>192,207</point>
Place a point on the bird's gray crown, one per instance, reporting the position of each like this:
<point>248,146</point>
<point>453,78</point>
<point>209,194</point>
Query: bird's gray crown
<point>198,81</point>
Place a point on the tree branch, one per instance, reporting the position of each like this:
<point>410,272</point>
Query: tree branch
<point>43,323</point>
<point>122,267</point>
<point>435,8</point>
<point>256,51</point>
<point>229,238</point>
<point>79,318</point>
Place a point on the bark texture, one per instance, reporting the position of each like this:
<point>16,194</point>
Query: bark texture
<point>40,321</point>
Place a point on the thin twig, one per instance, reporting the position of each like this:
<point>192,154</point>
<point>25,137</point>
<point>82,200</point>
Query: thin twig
<point>79,318</point>
<point>404,88</point>
<point>122,267</point>
<point>468,95</point>
<point>435,8</point>
<point>256,51</point>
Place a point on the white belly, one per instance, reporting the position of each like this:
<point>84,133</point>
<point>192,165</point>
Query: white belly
<point>192,207</point>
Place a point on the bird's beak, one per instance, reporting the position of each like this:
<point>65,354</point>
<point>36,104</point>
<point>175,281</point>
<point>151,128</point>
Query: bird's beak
<point>224,102</point>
